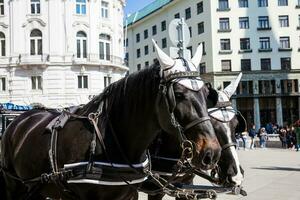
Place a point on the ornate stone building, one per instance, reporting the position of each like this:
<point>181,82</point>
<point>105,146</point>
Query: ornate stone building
<point>59,52</point>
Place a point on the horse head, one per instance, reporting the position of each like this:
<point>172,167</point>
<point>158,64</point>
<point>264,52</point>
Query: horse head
<point>227,122</point>
<point>184,100</point>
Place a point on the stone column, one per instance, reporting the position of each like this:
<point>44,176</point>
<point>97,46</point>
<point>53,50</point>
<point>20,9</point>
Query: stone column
<point>256,113</point>
<point>278,103</point>
<point>279,111</point>
<point>256,109</point>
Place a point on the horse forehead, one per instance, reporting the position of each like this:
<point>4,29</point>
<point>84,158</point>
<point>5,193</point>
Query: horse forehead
<point>192,84</point>
<point>222,114</point>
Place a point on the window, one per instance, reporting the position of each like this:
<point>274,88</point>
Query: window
<point>226,65</point>
<point>199,7</point>
<point>282,2</point>
<point>82,81</point>
<point>244,22</point>
<point>2,84</point>
<point>245,64</point>
<point>265,64</point>
<point>146,34</point>
<point>284,42</point>
<point>81,45</point>
<point>146,64</point>
<point>36,45</point>
<point>243,3</point>
<point>200,27</point>
<point>203,48</point>
<point>81,7</point>
<point>262,3</point>
<point>1,7</point>
<point>263,22</point>
<point>266,87</point>
<point>2,44</point>
<point>245,43</point>
<point>107,81</point>
<point>36,82</point>
<point>137,36</point>
<point>138,53</point>
<point>223,5</point>
<point>177,16</point>
<point>285,63</point>
<point>104,9</point>
<point>264,42</point>
<point>244,88</point>
<point>154,30</point>
<point>224,24</point>
<point>298,3</point>
<point>104,47</point>
<point>164,42</point>
<point>225,44</point>
<point>191,31</point>
<point>146,49</point>
<point>202,68</point>
<point>35,6</point>
<point>138,67</point>
<point>188,13</point>
<point>298,20</point>
<point>163,26</point>
<point>284,20</point>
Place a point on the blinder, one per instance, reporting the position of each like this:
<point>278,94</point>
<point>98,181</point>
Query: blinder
<point>242,125</point>
<point>212,98</point>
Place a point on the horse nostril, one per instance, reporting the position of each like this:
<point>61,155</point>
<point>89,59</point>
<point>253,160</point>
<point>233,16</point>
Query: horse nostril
<point>207,159</point>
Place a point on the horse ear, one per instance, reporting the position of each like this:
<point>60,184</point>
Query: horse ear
<point>231,88</point>
<point>212,97</point>
<point>198,56</point>
<point>164,60</point>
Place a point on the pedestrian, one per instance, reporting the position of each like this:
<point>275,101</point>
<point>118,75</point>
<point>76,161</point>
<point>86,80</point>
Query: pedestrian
<point>263,137</point>
<point>297,131</point>
<point>252,135</point>
<point>244,136</point>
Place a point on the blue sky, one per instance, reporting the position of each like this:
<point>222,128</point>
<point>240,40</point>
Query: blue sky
<point>135,5</point>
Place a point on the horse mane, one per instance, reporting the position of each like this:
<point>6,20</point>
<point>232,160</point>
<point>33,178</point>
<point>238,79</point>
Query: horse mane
<point>136,88</point>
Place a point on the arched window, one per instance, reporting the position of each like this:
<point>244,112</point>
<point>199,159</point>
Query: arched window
<point>36,42</point>
<point>104,46</point>
<point>1,7</point>
<point>81,7</point>
<point>35,6</point>
<point>2,44</point>
<point>81,44</point>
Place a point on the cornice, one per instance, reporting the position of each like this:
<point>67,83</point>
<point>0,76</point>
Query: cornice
<point>30,20</point>
<point>3,25</point>
<point>78,23</point>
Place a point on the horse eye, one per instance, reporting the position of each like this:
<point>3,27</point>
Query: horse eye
<point>179,95</point>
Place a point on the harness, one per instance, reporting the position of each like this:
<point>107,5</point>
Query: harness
<point>102,173</point>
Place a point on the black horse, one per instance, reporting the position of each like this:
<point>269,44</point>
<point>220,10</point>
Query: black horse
<point>99,151</point>
<point>226,122</point>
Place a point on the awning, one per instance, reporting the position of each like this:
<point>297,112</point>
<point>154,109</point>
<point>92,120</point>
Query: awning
<point>11,106</point>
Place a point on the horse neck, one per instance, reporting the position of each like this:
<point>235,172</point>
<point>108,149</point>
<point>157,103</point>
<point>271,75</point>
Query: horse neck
<point>133,120</point>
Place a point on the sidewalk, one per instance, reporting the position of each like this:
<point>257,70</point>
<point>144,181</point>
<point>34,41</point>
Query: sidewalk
<point>270,174</point>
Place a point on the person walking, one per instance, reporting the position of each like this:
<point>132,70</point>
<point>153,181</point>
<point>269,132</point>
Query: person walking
<point>252,135</point>
<point>263,137</point>
<point>297,131</point>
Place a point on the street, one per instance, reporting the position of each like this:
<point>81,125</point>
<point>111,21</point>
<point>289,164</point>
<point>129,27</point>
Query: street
<point>269,174</point>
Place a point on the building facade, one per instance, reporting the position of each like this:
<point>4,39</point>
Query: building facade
<point>60,52</point>
<point>260,38</point>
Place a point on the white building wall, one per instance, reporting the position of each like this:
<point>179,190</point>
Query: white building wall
<point>58,65</point>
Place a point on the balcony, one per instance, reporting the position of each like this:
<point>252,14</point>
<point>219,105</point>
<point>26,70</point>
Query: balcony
<point>245,51</point>
<point>224,30</point>
<point>223,9</point>
<point>265,50</point>
<point>95,59</point>
<point>285,49</point>
<point>224,52</point>
<point>26,60</point>
<point>264,28</point>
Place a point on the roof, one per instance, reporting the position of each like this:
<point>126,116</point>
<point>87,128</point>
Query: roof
<point>144,12</point>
